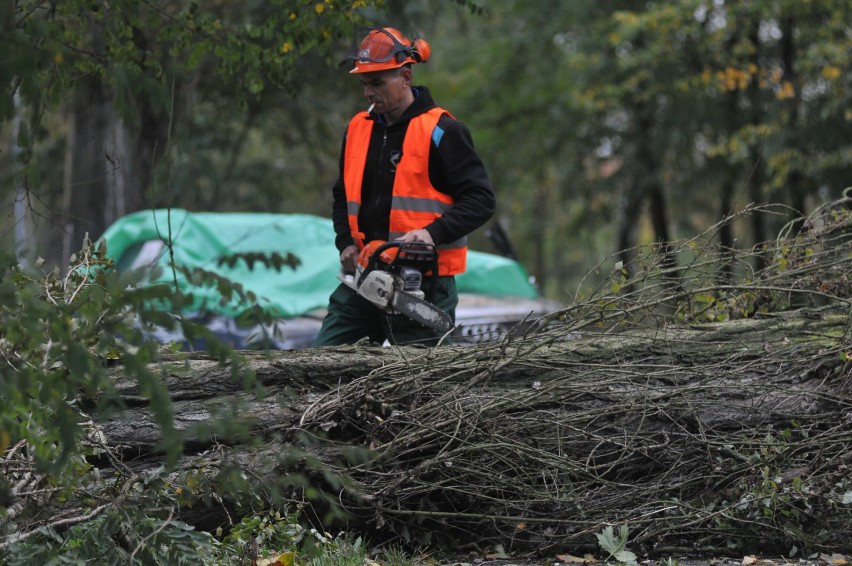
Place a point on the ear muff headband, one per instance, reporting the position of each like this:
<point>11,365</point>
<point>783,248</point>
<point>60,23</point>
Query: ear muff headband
<point>398,52</point>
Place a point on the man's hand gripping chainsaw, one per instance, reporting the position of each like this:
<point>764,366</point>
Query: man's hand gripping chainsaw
<point>389,275</point>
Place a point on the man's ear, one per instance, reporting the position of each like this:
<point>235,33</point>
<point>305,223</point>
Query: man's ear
<point>406,75</point>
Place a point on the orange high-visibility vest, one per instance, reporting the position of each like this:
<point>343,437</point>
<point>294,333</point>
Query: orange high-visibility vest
<point>415,203</point>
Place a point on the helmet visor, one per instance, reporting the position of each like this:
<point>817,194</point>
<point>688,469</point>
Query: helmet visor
<point>376,45</point>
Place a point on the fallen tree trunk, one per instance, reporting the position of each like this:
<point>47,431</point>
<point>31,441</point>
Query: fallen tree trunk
<point>733,435</point>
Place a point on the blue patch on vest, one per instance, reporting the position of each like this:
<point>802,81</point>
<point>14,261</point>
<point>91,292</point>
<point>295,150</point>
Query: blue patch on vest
<point>437,134</point>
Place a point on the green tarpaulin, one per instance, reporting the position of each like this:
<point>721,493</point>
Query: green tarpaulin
<point>201,239</point>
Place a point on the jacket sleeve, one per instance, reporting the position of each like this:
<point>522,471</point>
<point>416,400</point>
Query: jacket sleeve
<point>457,170</point>
<point>339,209</point>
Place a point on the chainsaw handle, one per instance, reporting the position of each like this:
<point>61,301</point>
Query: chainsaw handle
<point>412,249</point>
<point>413,254</point>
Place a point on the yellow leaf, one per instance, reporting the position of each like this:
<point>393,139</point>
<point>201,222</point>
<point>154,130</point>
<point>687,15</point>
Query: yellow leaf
<point>520,526</point>
<point>831,72</point>
<point>319,8</point>
<point>285,559</point>
<point>787,91</point>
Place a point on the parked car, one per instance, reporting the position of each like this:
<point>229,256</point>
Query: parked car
<point>496,296</point>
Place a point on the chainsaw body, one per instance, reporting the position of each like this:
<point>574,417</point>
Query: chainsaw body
<point>390,275</point>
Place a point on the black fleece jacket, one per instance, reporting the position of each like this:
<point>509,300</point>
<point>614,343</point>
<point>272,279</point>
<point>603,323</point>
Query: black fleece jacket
<point>454,169</point>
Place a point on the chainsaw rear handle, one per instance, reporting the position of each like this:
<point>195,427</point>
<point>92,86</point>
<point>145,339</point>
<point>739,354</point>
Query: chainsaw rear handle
<point>419,255</point>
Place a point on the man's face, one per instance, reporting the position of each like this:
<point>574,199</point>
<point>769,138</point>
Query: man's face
<point>387,89</point>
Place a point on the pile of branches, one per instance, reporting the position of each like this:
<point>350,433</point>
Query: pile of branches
<point>707,407</point>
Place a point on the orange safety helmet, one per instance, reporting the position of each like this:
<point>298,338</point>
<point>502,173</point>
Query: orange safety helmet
<point>382,49</point>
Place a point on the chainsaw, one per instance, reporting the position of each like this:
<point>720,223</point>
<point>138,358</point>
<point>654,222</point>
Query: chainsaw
<point>390,275</point>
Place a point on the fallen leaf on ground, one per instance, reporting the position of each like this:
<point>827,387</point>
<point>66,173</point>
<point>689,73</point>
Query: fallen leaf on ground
<point>286,559</point>
<point>571,559</point>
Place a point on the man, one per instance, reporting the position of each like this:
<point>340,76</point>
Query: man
<point>408,172</point>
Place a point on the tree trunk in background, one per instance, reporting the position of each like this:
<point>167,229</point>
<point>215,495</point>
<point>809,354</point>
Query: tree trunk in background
<point>646,186</point>
<point>110,160</point>
<point>727,187</point>
<point>629,211</point>
<point>757,177</point>
<point>140,145</point>
<point>110,165</point>
<point>726,208</point>
<point>795,180</point>
<point>650,177</point>
<point>85,192</point>
<point>542,202</point>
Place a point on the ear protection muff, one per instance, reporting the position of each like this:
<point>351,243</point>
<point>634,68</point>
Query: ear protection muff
<point>412,52</point>
<point>421,50</point>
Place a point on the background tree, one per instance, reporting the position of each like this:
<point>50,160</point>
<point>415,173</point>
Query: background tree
<point>132,80</point>
<point>603,124</point>
<point>610,124</point>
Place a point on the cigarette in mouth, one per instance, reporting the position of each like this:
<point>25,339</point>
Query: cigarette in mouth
<point>370,109</point>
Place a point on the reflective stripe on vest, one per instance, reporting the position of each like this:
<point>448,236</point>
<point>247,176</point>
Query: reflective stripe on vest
<point>415,203</point>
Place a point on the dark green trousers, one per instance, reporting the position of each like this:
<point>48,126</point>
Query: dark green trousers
<point>351,318</point>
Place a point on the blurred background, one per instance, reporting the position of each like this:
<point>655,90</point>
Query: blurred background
<point>604,124</point>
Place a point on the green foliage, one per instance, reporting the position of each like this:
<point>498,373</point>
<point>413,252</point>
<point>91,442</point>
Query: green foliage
<point>139,48</point>
<point>59,336</point>
<point>279,537</point>
<point>771,498</point>
<point>111,540</point>
<point>274,260</point>
<point>616,110</point>
<point>616,545</point>
<point>122,538</point>
<point>342,550</point>
<point>178,80</point>
<point>632,123</point>
<point>263,535</point>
